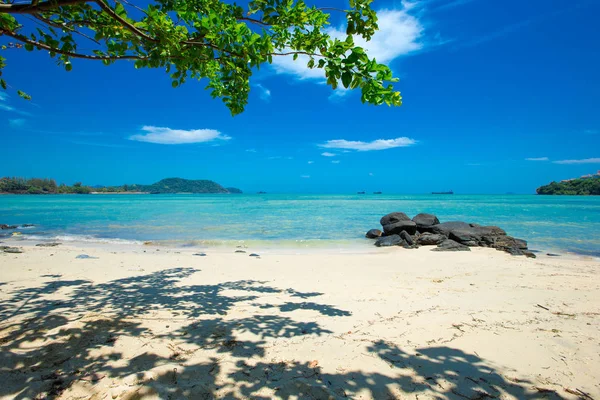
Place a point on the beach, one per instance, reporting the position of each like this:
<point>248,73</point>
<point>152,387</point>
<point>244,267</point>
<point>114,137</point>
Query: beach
<point>148,322</point>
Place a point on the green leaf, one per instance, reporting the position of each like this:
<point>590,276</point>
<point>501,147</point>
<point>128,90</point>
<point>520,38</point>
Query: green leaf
<point>23,95</point>
<point>68,66</point>
<point>3,84</point>
<point>346,79</point>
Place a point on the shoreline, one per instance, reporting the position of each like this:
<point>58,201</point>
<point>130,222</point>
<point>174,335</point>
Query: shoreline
<point>394,323</point>
<point>281,247</point>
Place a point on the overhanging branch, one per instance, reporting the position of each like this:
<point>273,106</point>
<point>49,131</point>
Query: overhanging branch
<point>44,46</point>
<point>36,7</point>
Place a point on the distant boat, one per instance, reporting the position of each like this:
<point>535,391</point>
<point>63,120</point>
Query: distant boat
<point>261,193</point>
<point>361,192</point>
<point>448,192</point>
<point>376,192</point>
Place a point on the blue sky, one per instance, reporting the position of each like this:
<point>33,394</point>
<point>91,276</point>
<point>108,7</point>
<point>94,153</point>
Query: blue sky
<point>499,96</point>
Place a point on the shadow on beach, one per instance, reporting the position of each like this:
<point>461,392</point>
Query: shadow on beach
<point>74,337</point>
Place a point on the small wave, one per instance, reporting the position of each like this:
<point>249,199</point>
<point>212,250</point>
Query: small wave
<point>93,239</point>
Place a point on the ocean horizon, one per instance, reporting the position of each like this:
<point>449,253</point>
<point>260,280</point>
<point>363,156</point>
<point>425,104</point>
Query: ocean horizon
<point>549,223</point>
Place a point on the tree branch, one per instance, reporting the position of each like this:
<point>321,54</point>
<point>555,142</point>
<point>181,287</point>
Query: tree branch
<point>254,21</point>
<point>36,7</point>
<point>44,46</point>
<point>124,22</point>
<point>62,27</point>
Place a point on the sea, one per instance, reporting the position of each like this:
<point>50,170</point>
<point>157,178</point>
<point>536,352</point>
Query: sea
<point>567,224</point>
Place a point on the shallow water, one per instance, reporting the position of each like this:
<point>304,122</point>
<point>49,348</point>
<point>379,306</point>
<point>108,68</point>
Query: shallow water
<point>559,223</point>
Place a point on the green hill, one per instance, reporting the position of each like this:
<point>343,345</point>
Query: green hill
<point>585,186</point>
<point>179,185</point>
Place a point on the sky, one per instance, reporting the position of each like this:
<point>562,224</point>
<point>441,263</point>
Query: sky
<point>499,96</point>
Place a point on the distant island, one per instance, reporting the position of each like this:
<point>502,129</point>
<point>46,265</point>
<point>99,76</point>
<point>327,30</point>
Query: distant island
<point>169,185</point>
<point>587,185</point>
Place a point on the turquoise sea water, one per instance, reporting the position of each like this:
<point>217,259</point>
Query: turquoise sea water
<point>562,223</point>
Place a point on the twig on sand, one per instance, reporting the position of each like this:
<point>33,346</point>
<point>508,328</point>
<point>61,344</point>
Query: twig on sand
<point>578,392</point>
<point>545,308</point>
<point>544,390</point>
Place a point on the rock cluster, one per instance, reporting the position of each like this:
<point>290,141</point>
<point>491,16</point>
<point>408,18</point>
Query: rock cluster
<point>426,230</point>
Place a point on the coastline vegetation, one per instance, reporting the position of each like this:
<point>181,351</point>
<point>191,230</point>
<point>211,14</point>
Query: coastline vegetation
<point>18,185</point>
<point>584,186</point>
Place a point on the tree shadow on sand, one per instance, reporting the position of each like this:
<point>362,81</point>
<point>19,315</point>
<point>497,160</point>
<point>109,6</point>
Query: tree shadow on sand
<point>68,335</point>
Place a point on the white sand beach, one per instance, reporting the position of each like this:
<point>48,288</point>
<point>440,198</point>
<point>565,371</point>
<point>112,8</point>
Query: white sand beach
<point>148,323</point>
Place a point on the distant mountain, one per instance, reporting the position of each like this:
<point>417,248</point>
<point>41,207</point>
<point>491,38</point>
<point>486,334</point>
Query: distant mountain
<point>584,186</point>
<point>234,190</point>
<point>179,185</point>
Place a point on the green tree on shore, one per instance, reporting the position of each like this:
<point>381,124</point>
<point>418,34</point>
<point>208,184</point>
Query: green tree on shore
<point>202,39</point>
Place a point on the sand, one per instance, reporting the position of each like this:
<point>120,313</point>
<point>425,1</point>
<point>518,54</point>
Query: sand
<point>148,323</point>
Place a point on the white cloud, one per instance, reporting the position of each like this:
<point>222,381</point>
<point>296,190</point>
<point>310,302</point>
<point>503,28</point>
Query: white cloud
<point>582,161</point>
<point>16,123</point>
<point>251,150</point>
<point>328,154</point>
<point>379,144</point>
<point>305,176</point>
<point>399,34</point>
<point>370,174</point>
<point>311,162</point>
<point>161,135</point>
<point>591,131</point>
<point>537,159</point>
<point>336,162</point>
<point>3,96</point>
<point>264,93</point>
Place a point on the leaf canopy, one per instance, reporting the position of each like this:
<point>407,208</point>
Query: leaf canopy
<point>202,39</point>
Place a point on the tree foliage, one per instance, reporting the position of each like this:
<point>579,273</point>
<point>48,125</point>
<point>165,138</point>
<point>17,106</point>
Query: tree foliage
<point>581,186</point>
<point>18,185</point>
<point>203,39</point>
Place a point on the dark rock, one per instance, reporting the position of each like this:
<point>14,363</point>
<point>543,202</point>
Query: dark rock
<point>4,226</point>
<point>13,250</point>
<point>407,238</point>
<point>393,218</point>
<point>396,227</point>
<point>199,254</point>
<point>515,251</point>
<point>430,239</point>
<point>469,234</point>
<point>425,221</point>
<point>490,230</point>
<point>254,255</point>
<point>27,226</point>
<point>240,251</point>
<point>386,241</point>
<point>446,227</point>
<point>451,245</point>
<point>48,244</point>
<point>373,234</point>
<point>529,254</point>
<point>552,255</point>
<point>504,242</point>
